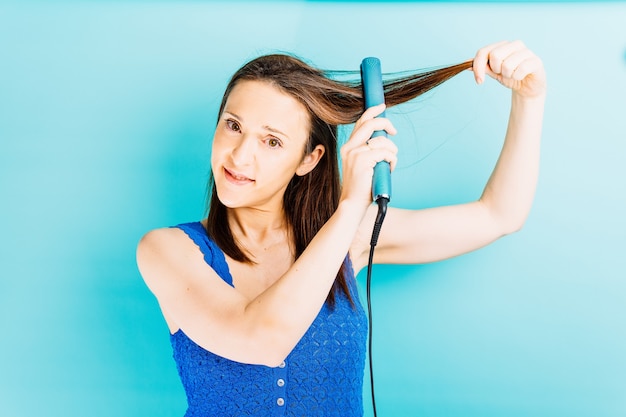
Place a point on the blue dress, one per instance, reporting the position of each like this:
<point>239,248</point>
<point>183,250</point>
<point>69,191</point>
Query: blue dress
<point>322,376</point>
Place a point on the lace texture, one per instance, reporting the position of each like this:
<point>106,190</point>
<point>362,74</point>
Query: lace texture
<point>322,376</point>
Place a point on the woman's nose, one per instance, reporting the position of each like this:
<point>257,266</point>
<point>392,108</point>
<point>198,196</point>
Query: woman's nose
<point>243,153</point>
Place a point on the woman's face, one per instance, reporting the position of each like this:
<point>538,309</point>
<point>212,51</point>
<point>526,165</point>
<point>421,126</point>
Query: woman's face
<point>259,145</point>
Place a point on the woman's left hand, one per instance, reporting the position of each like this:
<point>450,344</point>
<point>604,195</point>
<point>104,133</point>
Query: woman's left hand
<point>513,65</point>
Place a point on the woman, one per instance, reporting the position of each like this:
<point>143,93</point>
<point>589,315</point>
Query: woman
<point>260,297</point>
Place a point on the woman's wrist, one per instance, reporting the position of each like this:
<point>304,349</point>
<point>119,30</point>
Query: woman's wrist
<point>352,208</point>
<point>524,99</point>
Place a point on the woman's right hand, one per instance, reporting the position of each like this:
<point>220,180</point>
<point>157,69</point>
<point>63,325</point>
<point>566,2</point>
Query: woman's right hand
<point>360,154</point>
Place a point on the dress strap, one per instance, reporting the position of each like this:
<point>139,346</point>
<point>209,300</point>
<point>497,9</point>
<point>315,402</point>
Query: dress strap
<point>213,255</point>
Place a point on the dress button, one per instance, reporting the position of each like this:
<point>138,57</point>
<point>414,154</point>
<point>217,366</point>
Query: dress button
<point>282,364</point>
<point>280,382</point>
<point>280,402</point>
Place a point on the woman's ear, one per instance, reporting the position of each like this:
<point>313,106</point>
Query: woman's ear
<point>310,161</point>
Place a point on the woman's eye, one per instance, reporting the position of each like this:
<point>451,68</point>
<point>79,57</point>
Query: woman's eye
<point>233,125</point>
<point>273,143</point>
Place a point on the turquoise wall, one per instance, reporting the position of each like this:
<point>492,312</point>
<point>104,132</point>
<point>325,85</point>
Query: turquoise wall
<point>106,116</point>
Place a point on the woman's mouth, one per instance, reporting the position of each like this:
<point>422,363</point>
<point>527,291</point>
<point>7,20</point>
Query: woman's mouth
<point>236,178</point>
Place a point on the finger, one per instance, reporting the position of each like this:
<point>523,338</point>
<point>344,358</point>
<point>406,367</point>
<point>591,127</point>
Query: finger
<point>382,149</point>
<point>373,151</point>
<point>384,154</point>
<point>513,62</point>
<point>381,142</point>
<point>370,114</point>
<point>363,133</point>
<point>502,53</point>
<point>531,65</point>
<point>479,64</point>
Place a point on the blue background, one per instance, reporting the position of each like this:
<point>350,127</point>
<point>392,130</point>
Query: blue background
<point>106,116</point>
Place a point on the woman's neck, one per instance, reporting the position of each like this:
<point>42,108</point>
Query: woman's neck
<point>257,229</point>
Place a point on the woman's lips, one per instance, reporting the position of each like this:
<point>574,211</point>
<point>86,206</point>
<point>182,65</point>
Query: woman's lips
<point>236,178</point>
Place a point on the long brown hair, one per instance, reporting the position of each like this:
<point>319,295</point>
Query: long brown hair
<point>310,200</point>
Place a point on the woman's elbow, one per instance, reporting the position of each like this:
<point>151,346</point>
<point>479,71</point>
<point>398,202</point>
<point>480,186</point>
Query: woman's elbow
<point>512,224</point>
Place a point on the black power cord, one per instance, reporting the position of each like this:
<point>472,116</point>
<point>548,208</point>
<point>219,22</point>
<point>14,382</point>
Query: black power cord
<point>382,211</point>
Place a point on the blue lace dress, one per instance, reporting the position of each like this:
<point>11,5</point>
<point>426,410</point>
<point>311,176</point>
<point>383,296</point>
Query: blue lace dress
<point>322,376</point>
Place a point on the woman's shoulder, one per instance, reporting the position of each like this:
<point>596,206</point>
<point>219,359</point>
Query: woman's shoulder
<point>172,239</point>
<point>176,249</point>
<point>162,240</point>
<point>161,249</point>
<point>175,270</point>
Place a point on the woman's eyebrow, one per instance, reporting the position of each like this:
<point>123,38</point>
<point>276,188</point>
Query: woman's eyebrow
<point>233,114</point>
<point>266,127</point>
<point>274,130</point>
